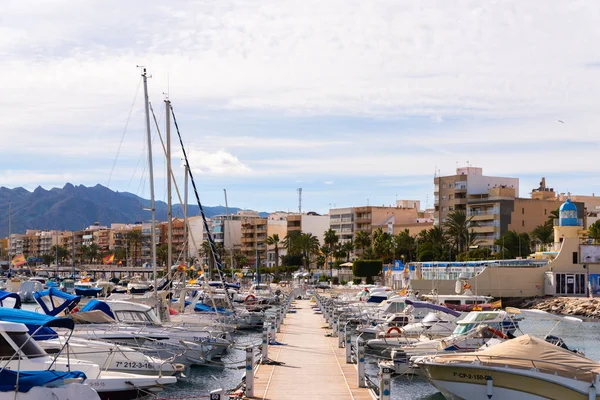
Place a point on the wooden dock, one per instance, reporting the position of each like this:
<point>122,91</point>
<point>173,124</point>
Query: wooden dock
<point>313,367</point>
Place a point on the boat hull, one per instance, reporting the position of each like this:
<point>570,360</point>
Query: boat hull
<point>457,382</point>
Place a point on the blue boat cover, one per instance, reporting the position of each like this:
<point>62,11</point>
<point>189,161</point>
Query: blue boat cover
<point>39,325</point>
<point>51,284</point>
<point>31,379</point>
<point>53,301</point>
<point>9,300</point>
<point>88,292</point>
<point>200,307</point>
<point>98,305</point>
<point>423,304</point>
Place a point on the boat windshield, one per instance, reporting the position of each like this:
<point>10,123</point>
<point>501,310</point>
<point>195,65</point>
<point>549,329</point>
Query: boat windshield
<point>393,306</point>
<point>477,318</point>
<point>29,348</point>
<point>137,317</point>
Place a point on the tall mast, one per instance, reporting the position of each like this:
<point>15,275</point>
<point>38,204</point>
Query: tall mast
<point>151,176</point>
<point>9,231</point>
<point>185,221</point>
<point>227,218</point>
<point>169,204</point>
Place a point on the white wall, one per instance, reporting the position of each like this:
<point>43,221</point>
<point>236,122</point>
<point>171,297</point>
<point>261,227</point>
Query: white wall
<point>315,224</point>
<point>195,234</point>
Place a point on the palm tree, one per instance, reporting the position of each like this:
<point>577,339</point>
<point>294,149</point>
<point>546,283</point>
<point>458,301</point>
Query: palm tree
<point>348,247</point>
<point>362,240</point>
<point>383,245</point>
<point>404,245</point>
<point>162,253</point>
<point>93,252</point>
<point>594,231</point>
<point>330,239</point>
<point>290,242</point>
<point>544,233</point>
<point>274,241</point>
<point>308,245</point>
<point>83,251</point>
<point>513,244</point>
<point>457,228</point>
<point>134,241</point>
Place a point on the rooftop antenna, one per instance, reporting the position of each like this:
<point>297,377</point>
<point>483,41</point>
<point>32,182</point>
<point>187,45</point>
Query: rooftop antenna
<point>299,200</point>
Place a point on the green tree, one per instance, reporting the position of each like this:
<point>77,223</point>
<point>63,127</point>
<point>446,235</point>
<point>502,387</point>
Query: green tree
<point>405,245</point>
<point>274,241</point>
<point>544,233</point>
<point>62,253</point>
<point>308,244</point>
<point>367,269</point>
<point>383,245</point>
<point>48,259</point>
<point>457,228</point>
<point>433,245</point>
<point>134,242</point>
<point>347,248</point>
<point>513,245</point>
<point>291,242</point>
<point>162,254</point>
<point>594,231</point>
<point>362,240</point>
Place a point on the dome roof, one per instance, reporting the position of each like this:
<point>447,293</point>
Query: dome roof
<point>567,205</point>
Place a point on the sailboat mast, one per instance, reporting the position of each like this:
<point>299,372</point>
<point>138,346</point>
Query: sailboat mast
<point>185,218</point>
<point>151,176</point>
<point>169,203</point>
<point>227,218</point>
<point>9,232</point>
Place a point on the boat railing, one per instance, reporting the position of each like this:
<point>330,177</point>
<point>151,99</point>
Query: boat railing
<point>537,365</point>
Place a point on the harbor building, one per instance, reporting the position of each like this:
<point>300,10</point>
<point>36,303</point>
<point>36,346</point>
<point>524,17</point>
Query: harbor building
<point>454,192</point>
<point>570,268</point>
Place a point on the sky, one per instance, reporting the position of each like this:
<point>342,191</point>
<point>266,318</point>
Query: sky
<point>355,102</point>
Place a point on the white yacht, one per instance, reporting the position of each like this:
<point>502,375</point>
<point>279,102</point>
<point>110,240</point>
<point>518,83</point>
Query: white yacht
<point>20,351</point>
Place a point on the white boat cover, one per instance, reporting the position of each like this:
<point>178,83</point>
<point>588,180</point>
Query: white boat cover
<point>527,352</point>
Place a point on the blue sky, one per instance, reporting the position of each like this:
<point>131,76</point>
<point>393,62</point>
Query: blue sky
<point>353,101</point>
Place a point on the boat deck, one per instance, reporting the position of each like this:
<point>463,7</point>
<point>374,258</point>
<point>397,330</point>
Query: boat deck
<point>313,367</point>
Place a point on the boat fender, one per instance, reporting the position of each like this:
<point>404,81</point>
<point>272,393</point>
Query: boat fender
<point>75,310</point>
<point>250,299</point>
<point>393,329</point>
<point>490,387</point>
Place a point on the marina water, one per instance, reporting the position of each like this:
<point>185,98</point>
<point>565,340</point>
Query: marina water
<point>201,380</point>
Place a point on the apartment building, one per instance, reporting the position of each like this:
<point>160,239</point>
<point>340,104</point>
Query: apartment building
<point>341,220</point>
<point>309,223</point>
<point>454,192</point>
<point>254,236</point>
<point>500,211</point>
<point>276,226</point>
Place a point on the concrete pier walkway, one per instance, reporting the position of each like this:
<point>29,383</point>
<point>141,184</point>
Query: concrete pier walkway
<point>313,365</point>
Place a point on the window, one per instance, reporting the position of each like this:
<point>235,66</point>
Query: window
<point>545,211</point>
<point>450,208</point>
<point>523,223</point>
<point>443,209</point>
<point>450,197</point>
<point>523,210</point>
<point>443,197</point>
<point>450,186</point>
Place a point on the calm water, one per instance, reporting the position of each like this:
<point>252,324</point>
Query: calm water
<point>201,380</point>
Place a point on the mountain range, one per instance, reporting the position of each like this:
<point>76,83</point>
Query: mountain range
<point>75,207</point>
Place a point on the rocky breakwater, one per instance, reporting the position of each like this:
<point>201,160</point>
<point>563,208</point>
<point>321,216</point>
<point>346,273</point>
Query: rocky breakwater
<point>581,307</point>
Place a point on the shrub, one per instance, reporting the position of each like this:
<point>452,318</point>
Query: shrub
<point>357,281</point>
<point>367,268</point>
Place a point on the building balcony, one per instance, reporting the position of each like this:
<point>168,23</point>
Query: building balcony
<point>483,229</point>
<point>458,200</point>
<point>475,213</point>
<point>346,219</point>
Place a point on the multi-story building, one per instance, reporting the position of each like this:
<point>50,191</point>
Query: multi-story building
<point>454,192</point>
<point>254,236</point>
<point>4,246</point>
<point>341,220</point>
<point>16,242</point>
<point>309,223</point>
<point>146,245</point>
<point>500,211</point>
<point>279,227</point>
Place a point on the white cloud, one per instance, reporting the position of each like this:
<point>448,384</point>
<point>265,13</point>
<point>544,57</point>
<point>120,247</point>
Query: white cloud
<point>489,79</point>
<point>328,182</point>
<point>218,163</point>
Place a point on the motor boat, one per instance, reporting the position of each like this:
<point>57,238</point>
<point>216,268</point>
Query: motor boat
<point>28,288</point>
<point>522,368</point>
<point>44,385</point>
<point>21,352</point>
<point>438,322</point>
